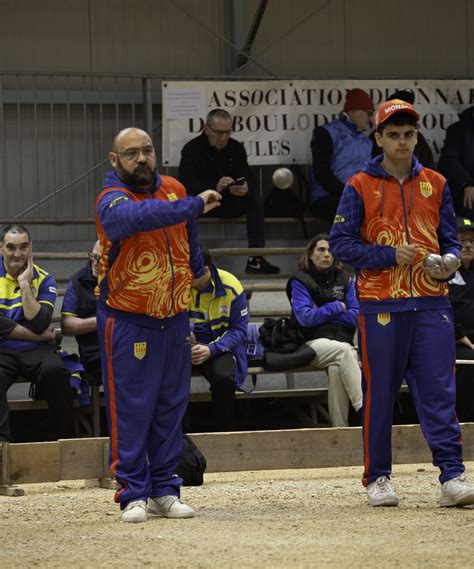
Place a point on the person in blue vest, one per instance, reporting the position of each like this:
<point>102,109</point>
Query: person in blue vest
<point>218,319</point>
<point>340,150</point>
<point>78,313</point>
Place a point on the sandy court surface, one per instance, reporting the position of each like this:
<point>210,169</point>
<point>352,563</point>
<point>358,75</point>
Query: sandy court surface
<point>314,518</point>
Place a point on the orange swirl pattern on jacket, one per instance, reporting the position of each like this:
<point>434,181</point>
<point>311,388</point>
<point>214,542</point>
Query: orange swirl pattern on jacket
<point>146,277</point>
<point>390,228</point>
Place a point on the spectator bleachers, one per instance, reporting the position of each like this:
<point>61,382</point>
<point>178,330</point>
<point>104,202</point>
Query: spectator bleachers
<point>266,297</point>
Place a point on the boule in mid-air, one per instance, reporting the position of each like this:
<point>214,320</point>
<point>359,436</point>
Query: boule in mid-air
<point>283,178</point>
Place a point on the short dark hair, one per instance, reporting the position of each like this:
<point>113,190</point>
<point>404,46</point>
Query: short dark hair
<point>398,119</point>
<point>14,228</point>
<point>219,113</point>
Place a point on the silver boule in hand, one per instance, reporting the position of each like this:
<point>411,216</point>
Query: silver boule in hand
<point>432,264</point>
<point>451,263</point>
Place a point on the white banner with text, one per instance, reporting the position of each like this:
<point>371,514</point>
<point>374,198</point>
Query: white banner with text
<point>275,119</point>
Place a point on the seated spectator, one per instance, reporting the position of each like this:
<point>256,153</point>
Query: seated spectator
<point>219,316</point>
<point>340,149</point>
<point>456,162</point>
<point>461,295</point>
<point>324,305</point>
<point>78,313</point>
<point>214,160</point>
<point>422,150</point>
<point>27,347</point>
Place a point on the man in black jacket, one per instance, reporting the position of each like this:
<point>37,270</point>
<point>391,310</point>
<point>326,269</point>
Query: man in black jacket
<point>461,295</point>
<point>456,162</point>
<point>214,160</point>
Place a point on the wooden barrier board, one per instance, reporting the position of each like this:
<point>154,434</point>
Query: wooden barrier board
<point>77,459</point>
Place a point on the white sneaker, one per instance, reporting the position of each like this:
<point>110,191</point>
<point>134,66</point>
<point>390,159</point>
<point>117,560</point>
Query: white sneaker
<point>135,512</point>
<point>456,492</point>
<point>169,507</point>
<point>381,493</point>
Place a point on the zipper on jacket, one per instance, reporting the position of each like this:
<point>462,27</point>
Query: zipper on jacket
<point>172,270</point>
<point>407,232</point>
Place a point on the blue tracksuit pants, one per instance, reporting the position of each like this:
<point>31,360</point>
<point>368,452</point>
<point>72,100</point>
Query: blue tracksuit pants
<point>146,376</point>
<point>417,346</point>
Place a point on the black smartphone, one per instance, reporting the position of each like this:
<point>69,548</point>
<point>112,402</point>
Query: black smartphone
<point>239,181</point>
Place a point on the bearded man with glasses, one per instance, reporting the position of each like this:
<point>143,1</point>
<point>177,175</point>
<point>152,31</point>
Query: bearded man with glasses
<point>150,258</point>
<point>216,160</point>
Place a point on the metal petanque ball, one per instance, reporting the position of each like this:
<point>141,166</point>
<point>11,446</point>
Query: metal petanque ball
<point>432,263</point>
<point>451,262</point>
<point>283,178</point>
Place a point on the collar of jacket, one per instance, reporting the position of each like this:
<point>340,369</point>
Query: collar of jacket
<point>374,167</point>
<point>219,286</point>
<point>113,181</point>
<point>86,274</point>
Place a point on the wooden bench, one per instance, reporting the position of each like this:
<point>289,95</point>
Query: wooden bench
<point>316,397</point>
<point>92,427</point>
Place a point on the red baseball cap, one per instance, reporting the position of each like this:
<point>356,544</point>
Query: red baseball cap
<point>389,108</point>
<point>357,99</point>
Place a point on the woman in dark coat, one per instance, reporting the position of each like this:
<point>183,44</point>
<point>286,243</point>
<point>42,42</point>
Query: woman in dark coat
<point>324,305</point>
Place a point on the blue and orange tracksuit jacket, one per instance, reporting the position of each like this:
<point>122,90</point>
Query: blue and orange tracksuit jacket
<point>376,214</point>
<point>149,254</point>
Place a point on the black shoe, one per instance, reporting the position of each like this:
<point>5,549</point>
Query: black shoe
<point>259,266</point>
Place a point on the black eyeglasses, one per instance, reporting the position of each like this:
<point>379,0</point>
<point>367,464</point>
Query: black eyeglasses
<point>94,257</point>
<point>220,132</point>
<point>133,153</point>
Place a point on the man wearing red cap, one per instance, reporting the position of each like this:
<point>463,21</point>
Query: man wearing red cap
<point>340,150</point>
<point>395,224</point>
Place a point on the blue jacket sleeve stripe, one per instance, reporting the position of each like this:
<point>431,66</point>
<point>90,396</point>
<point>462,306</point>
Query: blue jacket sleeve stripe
<point>125,217</point>
<point>447,230</point>
<point>344,239</point>
<point>195,256</point>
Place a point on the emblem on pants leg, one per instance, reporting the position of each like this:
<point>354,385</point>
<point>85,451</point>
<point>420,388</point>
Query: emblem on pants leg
<point>383,318</point>
<point>139,350</point>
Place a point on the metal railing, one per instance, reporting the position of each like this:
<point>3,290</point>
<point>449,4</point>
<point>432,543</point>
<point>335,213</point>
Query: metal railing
<point>55,133</point>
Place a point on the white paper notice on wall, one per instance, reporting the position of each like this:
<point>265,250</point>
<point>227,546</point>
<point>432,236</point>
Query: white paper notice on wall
<point>184,103</point>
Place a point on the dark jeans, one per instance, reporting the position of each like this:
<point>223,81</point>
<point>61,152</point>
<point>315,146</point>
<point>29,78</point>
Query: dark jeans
<point>93,369</point>
<point>326,207</point>
<point>464,385</point>
<point>46,370</point>
<point>252,205</point>
<point>220,373</point>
